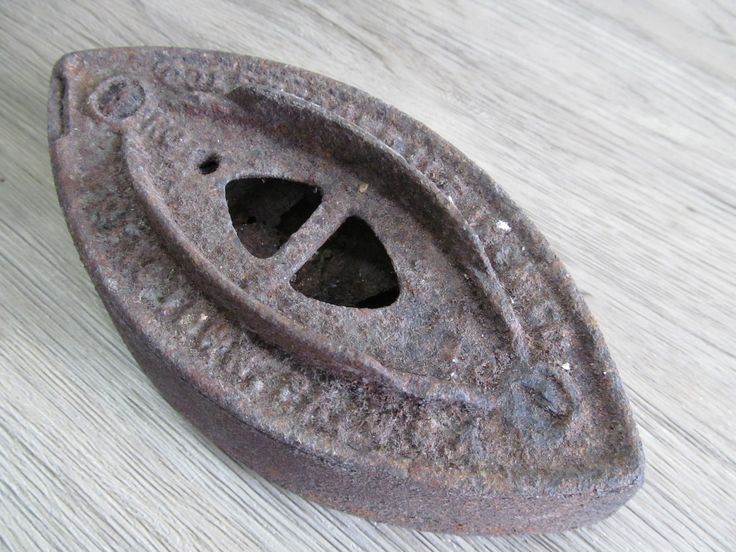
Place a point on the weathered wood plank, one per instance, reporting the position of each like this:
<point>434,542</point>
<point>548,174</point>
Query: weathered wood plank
<point>612,123</point>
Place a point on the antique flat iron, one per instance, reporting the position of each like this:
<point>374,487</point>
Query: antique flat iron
<point>336,296</point>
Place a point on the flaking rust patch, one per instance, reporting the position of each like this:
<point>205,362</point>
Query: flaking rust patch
<point>336,296</point>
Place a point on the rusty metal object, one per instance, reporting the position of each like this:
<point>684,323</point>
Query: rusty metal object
<point>336,296</point>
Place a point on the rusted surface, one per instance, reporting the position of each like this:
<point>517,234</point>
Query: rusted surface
<point>336,296</point>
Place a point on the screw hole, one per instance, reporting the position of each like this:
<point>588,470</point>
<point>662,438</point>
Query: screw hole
<point>210,165</point>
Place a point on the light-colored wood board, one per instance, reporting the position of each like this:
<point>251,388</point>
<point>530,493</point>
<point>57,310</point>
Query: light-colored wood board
<point>612,123</point>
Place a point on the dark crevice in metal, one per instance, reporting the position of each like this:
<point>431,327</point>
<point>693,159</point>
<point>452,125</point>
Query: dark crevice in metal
<point>352,269</point>
<point>57,119</point>
<point>266,211</point>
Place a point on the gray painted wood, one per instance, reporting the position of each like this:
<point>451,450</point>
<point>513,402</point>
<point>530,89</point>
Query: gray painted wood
<point>612,123</point>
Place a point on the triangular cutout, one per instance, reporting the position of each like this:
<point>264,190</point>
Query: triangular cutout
<point>266,211</point>
<point>352,269</point>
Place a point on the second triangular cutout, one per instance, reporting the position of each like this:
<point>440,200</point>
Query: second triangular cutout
<point>351,269</point>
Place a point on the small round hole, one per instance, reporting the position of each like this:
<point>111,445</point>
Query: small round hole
<point>209,165</point>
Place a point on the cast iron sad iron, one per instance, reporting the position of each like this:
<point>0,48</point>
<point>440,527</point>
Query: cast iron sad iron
<point>336,296</point>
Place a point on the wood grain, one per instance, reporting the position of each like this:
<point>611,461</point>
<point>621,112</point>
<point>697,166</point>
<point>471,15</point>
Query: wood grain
<point>612,123</point>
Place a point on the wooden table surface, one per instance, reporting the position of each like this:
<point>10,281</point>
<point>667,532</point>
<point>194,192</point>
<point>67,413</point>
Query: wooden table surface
<point>612,123</point>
